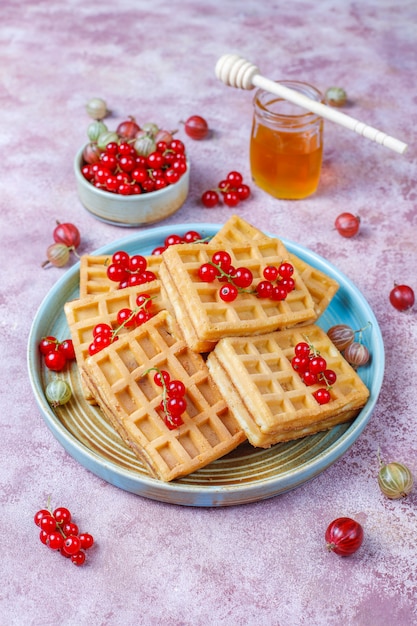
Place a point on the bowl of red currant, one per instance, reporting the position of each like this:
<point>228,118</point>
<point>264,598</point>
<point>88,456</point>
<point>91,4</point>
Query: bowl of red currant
<point>133,176</point>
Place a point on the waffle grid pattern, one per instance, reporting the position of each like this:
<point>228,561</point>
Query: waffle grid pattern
<point>84,314</point>
<point>321,286</point>
<point>273,394</point>
<point>93,273</point>
<point>126,390</point>
<point>211,317</point>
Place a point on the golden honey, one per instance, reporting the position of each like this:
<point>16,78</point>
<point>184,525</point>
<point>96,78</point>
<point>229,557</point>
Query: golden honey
<point>286,145</point>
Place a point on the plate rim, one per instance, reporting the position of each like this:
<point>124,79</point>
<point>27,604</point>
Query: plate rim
<point>207,495</point>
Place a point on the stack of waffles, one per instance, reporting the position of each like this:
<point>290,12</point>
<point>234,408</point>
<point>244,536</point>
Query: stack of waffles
<point>233,358</point>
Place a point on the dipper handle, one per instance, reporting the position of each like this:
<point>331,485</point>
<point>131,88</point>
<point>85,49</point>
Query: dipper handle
<point>235,71</point>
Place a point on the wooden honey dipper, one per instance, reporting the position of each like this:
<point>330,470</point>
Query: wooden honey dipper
<point>234,71</point>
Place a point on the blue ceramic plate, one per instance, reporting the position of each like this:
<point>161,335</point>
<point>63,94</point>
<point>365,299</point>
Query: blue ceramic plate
<point>247,474</point>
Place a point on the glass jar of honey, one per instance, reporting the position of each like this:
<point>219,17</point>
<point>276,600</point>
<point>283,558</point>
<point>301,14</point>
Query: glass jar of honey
<point>286,145</point>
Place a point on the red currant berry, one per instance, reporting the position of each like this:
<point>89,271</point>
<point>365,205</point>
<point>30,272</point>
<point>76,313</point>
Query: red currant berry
<point>278,293</point>
<point>176,406</point>
<point>300,363</point>
<point>173,421</point>
<point>55,540</point>
<point>264,289</point>
<point>47,344</point>
<point>69,528</point>
<point>242,277</point>
<point>43,536</point>
<point>117,273</point>
<point>322,396</point>
<point>286,270</point>
<point>67,349</point>
<point>402,297</point>
<point>72,544</point>
<point>39,515</point>
<point>87,540</point>
<point>102,329</point>
<point>309,378</point>
<point>78,558</point>
<point>159,250</point>
<point>231,199</point>
<point>329,377</point>
<point>317,364</point>
<point>302,349</point>
<point>161,378</point>
<point>208,273</point>
<point>121,258</point>
<point>137,263</point>
<point>270,273</point>
<point>288,284</point>
<point>228,293</point>
<point>234,178</point>
<point>176,389</point>
<point>62,515</point>
<point>173,240</point>
<point>126,318</point>
<point>141,317</point>
<point>243,191</point>
<point>144,300</point>
<point>177,146</point>
<point>210,199</point>
<point>191,236</point>
<point>48,523</point>
<point>55,361</point>
<point>222,259</point>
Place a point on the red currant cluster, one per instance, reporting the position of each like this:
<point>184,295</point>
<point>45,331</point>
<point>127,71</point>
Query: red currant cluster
<point>59,532</point>
<point>104,335</point>
<point>56,353</point>
<point>120,169</point>
<point>313,370</point>
<point>232,189</point>
<point>129,271</point>
<point>173,403</point>
<point>239,279</point>
<point>191,236</point>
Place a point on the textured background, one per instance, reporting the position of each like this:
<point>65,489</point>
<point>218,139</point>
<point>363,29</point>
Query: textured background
<point>263,563</point>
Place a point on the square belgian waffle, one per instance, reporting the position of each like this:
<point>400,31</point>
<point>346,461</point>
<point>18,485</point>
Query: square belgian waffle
<point>269,399</point>
<point>93,273</point>
<point>198,303</point>
<point>122,379</point>
<point>321,286</point>
<point>84,314</point>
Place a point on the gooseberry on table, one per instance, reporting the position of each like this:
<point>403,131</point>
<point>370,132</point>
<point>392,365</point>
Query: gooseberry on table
<point>347,224</point>
<point>196,127</point>
<point>402,297</point>
<point>344,536</point>
<point>395,480</point>
<point>67,233</point>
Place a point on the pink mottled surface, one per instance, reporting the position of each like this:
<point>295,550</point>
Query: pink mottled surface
<point>263,563</point>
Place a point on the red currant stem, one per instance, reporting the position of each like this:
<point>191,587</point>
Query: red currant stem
<point>164,392</point>
<point>230,279</point>
<point>323,378</point>
<point>312,348</point>
<point>131,316</point>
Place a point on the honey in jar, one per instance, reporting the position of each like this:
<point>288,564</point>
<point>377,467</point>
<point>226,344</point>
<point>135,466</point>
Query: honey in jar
<point>286,145</point>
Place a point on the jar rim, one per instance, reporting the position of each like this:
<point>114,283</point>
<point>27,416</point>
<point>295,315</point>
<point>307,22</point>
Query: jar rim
<point>305,88</point>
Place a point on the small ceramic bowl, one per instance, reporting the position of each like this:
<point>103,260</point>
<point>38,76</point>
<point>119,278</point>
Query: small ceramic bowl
<point>135,210</point>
